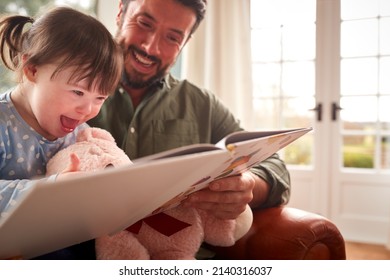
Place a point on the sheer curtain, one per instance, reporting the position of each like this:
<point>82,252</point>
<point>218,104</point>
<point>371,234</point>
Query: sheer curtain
<point>218,57</point>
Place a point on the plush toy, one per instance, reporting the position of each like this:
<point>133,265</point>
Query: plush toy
<point>176,233</point>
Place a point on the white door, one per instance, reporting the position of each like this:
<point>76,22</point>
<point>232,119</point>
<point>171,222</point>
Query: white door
<point>326,64</point>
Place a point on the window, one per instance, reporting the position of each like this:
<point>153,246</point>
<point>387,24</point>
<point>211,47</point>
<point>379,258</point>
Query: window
<point>286,58</point>
<point>283,57</point>
<point>365,86</point>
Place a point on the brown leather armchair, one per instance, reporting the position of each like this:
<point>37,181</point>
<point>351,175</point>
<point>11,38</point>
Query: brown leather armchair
<point>285,233</point>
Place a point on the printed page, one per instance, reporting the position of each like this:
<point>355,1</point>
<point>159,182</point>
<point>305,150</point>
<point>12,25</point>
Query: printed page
<point>241,136</point>
<point>250,148</point>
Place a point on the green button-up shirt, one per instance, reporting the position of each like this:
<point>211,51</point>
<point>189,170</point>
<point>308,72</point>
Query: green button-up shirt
<point>177,113</point>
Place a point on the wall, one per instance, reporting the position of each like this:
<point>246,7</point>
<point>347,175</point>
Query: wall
<point>107,12</point>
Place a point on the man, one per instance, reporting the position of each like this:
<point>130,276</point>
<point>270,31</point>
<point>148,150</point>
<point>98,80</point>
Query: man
<point>151,111</point>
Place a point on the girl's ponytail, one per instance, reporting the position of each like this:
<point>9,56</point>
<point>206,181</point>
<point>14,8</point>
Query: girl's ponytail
<point>12,36</point>
<point>67,38</point>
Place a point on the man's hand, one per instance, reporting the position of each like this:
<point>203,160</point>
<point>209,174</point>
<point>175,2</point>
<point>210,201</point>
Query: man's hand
<point>225,198</point>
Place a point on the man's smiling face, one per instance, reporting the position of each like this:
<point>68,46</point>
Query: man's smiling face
<point>152,33</point>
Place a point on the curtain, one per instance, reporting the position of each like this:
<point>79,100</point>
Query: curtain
<point>218,56</point>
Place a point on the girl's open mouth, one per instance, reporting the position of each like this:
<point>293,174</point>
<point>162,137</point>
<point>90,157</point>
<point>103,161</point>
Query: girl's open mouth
<point>68,124</point>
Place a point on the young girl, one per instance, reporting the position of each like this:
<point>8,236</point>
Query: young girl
<point>67,63</point>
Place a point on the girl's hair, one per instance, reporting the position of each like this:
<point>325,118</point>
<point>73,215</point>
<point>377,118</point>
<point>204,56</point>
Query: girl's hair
<point>68,38</point>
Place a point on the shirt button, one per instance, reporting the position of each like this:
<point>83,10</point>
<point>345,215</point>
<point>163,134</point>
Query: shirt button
<point>132,129</point>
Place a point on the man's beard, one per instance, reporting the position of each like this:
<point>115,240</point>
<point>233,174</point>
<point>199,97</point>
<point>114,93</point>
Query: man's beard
<point>136,80</point>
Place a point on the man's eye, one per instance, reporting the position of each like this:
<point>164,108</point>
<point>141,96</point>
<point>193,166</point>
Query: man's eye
<point>144,24</point>
<point>174,39</point>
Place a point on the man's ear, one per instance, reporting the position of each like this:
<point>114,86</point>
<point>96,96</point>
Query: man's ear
<point>120,13</point>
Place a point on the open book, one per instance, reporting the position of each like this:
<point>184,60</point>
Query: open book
<point>55,215</point>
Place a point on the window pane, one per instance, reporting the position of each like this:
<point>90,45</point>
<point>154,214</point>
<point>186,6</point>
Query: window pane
<point>266,45</point>
<point>82,4</point>
<point>384,115</point>
<point>359,38</point>
<point>359,113</point>
<point>359,76</point>
<point>384,7</point>
<point>283,55</point>
<point>31,8</point>
<point>384,76</point>
<point>358,151</point>
<point>266,79</point>
<point>355,9</point>
<point>276,12</point>
<point>299,42</point>
<point>365,83</point>
<point>385,150</point>
<point>384,35</point>
<point>264,113</point>
<point>298,79</point>
<point>299,152</point>
<point>297,112</point>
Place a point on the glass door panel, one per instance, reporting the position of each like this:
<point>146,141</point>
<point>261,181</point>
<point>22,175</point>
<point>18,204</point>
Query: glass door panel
<point>283,55</point>
<point>365,86</point>
<point>326,64</point>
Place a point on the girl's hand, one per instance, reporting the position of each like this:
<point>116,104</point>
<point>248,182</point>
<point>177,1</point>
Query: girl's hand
<point>73,169</point>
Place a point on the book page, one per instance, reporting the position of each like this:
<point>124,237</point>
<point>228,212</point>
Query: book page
<point>241,136</point>
<point>250,148</point>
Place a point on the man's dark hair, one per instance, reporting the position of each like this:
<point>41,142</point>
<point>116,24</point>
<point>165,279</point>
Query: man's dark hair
<point>198,6</point>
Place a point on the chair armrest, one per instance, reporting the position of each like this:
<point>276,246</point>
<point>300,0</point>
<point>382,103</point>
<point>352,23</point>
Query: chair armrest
<point>285,233</point>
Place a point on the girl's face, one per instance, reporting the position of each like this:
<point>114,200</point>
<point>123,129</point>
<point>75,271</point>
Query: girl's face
<point>55,106</point>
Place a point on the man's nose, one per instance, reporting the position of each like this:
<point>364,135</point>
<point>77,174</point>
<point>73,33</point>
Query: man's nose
<point>151,45</point>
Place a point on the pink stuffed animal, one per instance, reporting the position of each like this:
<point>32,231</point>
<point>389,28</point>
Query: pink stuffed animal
<point>155,237</point>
